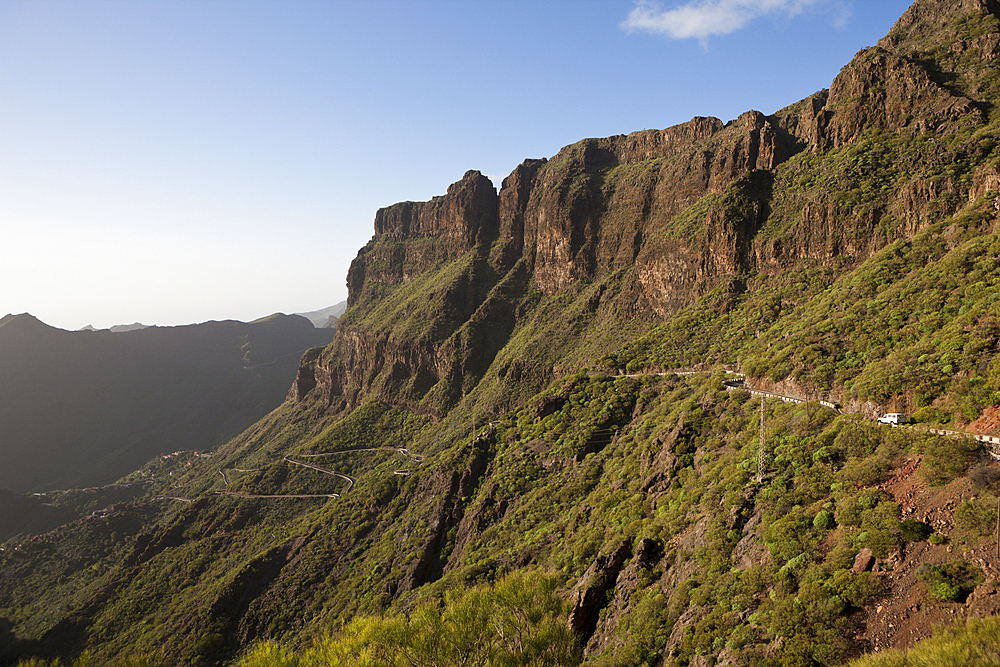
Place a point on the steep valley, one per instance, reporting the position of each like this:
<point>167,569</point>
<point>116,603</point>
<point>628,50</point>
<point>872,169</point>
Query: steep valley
<point>83,408</point>
<point>532,390</point>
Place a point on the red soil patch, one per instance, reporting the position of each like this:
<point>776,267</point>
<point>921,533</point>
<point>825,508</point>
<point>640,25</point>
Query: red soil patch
<point>905,613</point>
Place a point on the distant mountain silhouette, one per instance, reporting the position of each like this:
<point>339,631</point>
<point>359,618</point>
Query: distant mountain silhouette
<point>124,328</point>
<point>326,318</point>
<point>118,328</point>
<point>83,408</point>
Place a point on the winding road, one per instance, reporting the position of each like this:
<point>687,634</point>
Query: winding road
<point>324,470</point>
<point>236,494</point>
<point>730,385</point>
<point>239,494</point>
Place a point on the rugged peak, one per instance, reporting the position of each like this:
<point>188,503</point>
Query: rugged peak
<point>932,72</point>
<point>937,19</point>
<point>468,212</point>
<point>448,226</point>
<point>802,123</point>
<point>471,180</point>
<point>751,119</point>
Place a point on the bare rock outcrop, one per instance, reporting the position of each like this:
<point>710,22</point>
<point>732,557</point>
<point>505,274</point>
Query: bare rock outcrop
<point>629,580</point>
<point>590,595</point>
<point>413,237</point>
<point>468,213</point>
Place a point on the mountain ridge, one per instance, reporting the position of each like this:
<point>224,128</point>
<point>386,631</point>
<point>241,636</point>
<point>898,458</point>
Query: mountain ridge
<point>726,168</point>
<point>500,396</point>
<point>136,383</point>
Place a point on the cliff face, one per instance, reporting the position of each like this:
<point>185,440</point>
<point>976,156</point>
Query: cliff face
<point>603,205</point>
<point>412,237</point>
<point>844,247</point>
<point>660,218</point>
<point>600,208</point>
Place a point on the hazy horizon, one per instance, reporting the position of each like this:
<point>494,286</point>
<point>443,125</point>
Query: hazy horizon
<point>304,313</point>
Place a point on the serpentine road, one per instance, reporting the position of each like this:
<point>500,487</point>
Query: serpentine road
<point>323,470</point>
<point>288,459</point>
<point>730,385</point>
<point>236,494</point>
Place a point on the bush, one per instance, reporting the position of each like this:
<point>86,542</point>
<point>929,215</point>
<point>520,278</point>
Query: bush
<point>851,509</point>
<point>929,415</point>
<point>789,536</point>
<point>944,591</point>
<point>950,582</point>
<point>986,478</point>
<point>269,654</point>
<point>914,531</point>
<point>863,472</point>
<point>856,589</point>
<point>824,520</point>
<point>977,517</point>
<point>947,458</point>
<point>520,620</point>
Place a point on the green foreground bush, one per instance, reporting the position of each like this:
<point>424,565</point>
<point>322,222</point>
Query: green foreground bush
<point>972,643</point>
<point>519,621</point>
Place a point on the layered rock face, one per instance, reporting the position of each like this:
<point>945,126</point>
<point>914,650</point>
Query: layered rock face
<point>603,205</point>
<point>468,211</point>
<point>667,216</point>
<point>411,237</point>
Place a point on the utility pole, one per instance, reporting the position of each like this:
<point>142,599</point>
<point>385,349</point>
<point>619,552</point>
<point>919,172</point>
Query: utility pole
<point>761,449</point>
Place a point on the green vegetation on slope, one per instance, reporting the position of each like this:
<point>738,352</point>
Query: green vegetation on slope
<point>475,430</point>
<point>920,318</point>
<point>517,621</point>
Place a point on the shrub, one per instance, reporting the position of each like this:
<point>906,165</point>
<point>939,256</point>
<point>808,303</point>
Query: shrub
<point>863,472</point>
<point>876,517</point>
<point>856,589</point>
<point>986,478</point>
<point>851,508</point>
<point>519,620</point>
<point>947,458</point>
<point>944,591</point>
<point>789,536</point>
<point>928,414</point>
<point>269,654</point>
<point>950,582</point>
<point>914,531</point>
<point>977,517</point>
<point>824,520</point>
<point>857,440</point>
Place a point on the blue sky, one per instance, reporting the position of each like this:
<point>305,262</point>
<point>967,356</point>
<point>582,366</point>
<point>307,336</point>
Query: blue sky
<point>172,162</point>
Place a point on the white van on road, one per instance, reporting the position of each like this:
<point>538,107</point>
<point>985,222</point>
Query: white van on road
<point>893,418</point>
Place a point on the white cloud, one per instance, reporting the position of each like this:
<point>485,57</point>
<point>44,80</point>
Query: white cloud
<point>703,18</point>
<point>842,12</point>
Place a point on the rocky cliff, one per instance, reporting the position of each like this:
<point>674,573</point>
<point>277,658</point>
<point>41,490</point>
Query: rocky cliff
<point>647,223</point>
<point>494,402</point>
